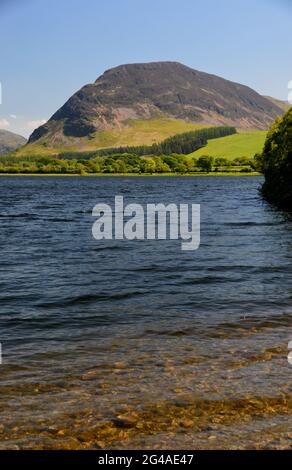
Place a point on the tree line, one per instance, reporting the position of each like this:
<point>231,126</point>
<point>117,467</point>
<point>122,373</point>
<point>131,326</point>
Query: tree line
<point>125,163</point>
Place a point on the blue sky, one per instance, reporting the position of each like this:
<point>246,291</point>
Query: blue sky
<point>50,48</point>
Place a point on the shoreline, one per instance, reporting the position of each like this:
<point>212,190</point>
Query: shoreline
<point>211,174</point>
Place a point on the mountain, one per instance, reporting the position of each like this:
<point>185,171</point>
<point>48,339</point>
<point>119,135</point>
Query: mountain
<point>143,103</point>
<point>10,141</point>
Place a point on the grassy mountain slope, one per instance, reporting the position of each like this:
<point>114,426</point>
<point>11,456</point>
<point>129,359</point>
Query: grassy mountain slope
<point>140,132</point>
<point>245,144</point>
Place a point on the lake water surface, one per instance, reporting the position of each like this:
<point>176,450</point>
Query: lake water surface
<point>137,344</point>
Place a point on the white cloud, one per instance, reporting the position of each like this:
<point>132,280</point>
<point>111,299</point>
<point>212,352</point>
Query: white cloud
<point>13,116</point>
<point>4,123</point>
<point>32,125</point>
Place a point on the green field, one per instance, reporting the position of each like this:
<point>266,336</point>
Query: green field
<point>245,144</point>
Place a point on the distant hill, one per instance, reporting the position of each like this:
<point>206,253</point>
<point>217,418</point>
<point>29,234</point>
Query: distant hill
<point>144,103</point>
<point>10,141</point>
<point>284,105</point>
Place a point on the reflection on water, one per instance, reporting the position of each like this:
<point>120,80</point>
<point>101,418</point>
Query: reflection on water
<point>122,344</point>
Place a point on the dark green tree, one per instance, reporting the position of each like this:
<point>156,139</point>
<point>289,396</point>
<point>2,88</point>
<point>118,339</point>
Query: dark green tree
<point>276,162</point>
<point>205,163</point>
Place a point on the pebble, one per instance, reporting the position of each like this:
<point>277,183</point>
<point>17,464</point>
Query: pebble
<point>86,436</point>
<point>123,421</point>
<point>120,365</point>
<point>187,423</point>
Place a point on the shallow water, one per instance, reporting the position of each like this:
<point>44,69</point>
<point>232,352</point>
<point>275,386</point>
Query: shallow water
<point>137,344</point>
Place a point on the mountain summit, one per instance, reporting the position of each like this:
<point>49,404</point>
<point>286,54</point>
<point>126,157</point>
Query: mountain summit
<point>132,96</point>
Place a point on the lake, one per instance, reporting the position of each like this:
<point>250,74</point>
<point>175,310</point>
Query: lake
<point>137,344</point>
